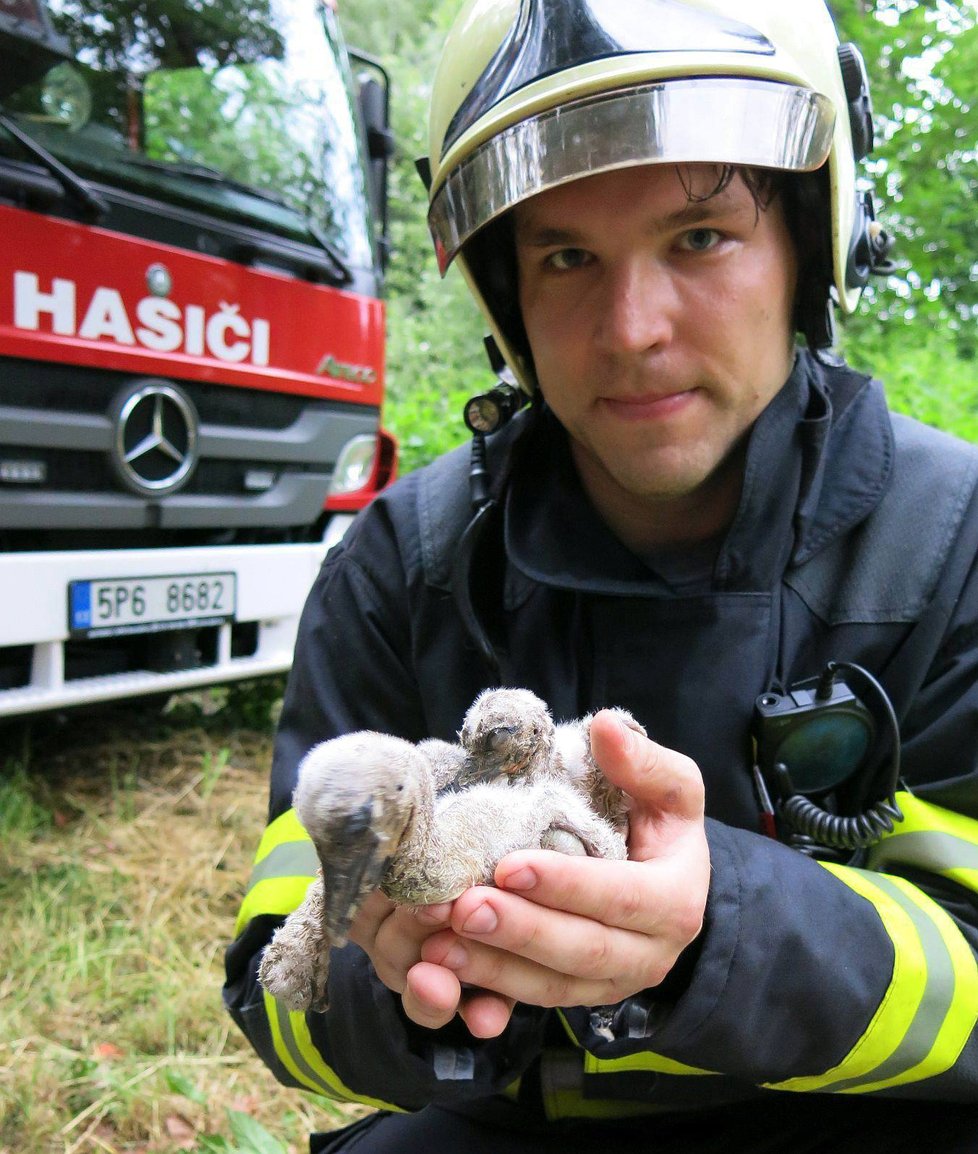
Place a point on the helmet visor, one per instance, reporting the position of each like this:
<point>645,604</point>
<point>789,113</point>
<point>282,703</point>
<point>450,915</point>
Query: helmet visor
<point>721,120</point>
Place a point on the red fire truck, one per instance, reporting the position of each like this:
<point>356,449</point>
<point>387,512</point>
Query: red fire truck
<point>192,212</point>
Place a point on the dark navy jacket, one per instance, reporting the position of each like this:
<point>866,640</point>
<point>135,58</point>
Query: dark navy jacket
<point>855,540</point>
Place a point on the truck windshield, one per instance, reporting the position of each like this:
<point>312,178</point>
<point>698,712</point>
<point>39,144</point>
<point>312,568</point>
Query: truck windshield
<point>241,108</point>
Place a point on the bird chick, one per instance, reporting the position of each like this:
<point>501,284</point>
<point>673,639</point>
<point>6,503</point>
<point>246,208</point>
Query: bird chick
<point>425,822</point>
<point>506,733</point>
<point>496,745</point>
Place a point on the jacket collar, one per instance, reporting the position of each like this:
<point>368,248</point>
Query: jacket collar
<point>818,462</point>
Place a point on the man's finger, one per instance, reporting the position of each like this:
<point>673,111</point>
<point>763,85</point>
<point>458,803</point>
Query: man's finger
<point>514,976</point>
<point>393,942</point>
<point>431,995</point>
<point>591,930</point>
<point>370,917</point>
<point>642,897</point>
<point>655,777</point>
<point>627,894</point>
<point>485,1012</point>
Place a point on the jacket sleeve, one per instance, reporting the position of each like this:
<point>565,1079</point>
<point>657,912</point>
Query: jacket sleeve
<point>853,979</point>
<point>809,978</point>
<point>352,671</point>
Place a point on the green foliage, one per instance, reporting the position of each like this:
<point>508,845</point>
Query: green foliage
<point>253,704</point>
<point>922,56</point>
<point>923,376</point>
<point>240,705</point>
<point>181,34</point>
<point>113,924</point>
<point>435,356</point>
<point>248,1137</point>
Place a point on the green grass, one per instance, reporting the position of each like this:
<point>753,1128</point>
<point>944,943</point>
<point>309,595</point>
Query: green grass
<point>125,844</point>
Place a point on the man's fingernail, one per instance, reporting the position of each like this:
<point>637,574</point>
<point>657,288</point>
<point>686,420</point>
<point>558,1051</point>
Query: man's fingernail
<point>627,733</point>
<point>521,879</point>
<point>481,921</point>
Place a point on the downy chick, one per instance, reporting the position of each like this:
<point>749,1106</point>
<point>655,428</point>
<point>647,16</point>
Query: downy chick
<point>425,822</point>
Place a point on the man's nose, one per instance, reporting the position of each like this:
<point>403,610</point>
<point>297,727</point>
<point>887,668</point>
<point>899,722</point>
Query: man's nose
<point>637,307</point>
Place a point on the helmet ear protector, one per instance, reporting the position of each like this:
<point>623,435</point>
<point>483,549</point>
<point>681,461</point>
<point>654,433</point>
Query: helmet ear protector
<point>871,244</point>
<point>856,84</point>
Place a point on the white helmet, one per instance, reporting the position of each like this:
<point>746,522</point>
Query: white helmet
<point>530,94</point>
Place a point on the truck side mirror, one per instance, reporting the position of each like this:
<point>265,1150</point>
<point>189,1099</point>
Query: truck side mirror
<point>374,94</point>
<point>29,46</point>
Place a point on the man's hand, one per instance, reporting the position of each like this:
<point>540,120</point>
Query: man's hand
<point>568,931</point>
<point>393,937</point>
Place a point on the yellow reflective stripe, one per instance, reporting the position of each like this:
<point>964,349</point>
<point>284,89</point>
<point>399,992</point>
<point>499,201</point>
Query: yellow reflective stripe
<point>562,1093</point>
<point>286,827</point>
<point>948,1010</point>
<point>645,1061</point>
<point>930,1007</point>
<point>284,866</point>
<point>278,896</point>
<point>297,1053</point>
<point>931,838</point>
<point>919,815</point>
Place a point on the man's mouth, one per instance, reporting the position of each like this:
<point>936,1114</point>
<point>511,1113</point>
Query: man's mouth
<point>648,406</point>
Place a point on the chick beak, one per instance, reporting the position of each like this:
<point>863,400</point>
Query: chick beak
<point>357,862</point>
<point>491,759</point>
<point>476,771</point>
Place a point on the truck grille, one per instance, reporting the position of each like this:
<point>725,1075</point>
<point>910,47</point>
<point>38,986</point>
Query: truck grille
<point>264,465</point>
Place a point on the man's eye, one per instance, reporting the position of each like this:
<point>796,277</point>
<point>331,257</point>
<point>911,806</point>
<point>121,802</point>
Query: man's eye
<point>567,258</point>
<point>701,239</point>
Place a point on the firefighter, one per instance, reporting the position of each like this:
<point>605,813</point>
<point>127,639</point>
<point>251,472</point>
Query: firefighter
<point>706,517</point>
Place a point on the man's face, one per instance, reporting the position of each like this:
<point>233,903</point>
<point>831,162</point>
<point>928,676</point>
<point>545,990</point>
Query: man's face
<point>660,327</point>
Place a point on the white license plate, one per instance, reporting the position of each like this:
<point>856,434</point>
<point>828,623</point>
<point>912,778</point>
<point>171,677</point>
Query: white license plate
<point>114,606</point>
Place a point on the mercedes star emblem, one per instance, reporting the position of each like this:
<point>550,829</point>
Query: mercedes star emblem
<point>155,448</point>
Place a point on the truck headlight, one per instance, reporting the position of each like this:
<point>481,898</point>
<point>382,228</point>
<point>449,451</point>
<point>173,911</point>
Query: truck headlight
<point>354,465</point>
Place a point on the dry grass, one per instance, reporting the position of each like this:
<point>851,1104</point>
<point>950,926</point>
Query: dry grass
<point>125,843</point>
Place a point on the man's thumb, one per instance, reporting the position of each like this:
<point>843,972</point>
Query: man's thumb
<point>654,776</point>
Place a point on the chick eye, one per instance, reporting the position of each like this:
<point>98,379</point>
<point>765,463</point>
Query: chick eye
<point>565,259</point>
<point>701,239</point>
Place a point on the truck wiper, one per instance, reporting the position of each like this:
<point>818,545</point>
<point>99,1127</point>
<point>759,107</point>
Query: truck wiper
<point>204,172</point>
<point>343,273</point>
<point>338,270</point>
<point>91,204</point>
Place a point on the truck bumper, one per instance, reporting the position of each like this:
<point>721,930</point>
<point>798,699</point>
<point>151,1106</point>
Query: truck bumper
<point>53,669</point>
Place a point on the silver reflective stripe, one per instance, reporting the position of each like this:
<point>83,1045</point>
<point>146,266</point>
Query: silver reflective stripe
<point>937,852</point>
<point>928,1012</point>
<point>715,120</point>
<point>934,1007</point>
<point>291,859</point>
<point>453,1063</point>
